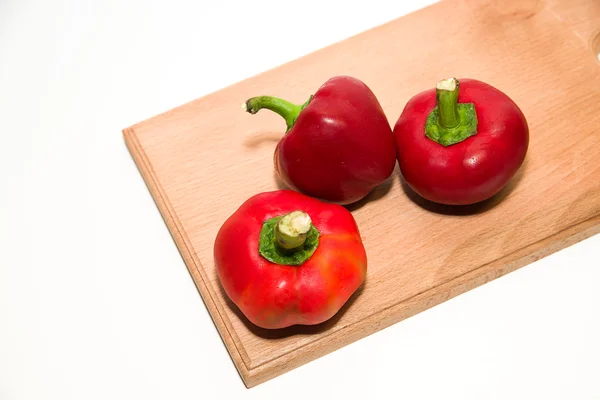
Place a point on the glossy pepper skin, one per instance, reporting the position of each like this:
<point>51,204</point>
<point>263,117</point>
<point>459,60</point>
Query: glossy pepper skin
<point>339,145</point>
<point>272,295</point>
<point>473,169</point>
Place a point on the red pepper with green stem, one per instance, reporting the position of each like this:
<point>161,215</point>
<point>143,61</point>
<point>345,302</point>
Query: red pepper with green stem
<point>461,142</point>
<point>338,145</point>
<point>285,259</point>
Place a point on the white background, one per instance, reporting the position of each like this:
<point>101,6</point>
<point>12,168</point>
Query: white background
<point>95,300</point>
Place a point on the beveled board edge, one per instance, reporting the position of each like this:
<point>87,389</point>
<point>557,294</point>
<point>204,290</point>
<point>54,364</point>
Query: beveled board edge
<point>181,240</point>
<point>349,333</point>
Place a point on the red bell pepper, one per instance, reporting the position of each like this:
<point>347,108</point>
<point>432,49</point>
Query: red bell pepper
<point>285,258</point>
<point>338,145</point>
<point>460,143</point>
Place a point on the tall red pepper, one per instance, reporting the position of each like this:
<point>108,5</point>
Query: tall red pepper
<point>285,258</point>
<point>338,145</point>
<point>460,143</point>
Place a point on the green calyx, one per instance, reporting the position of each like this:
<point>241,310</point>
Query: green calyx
<point>450,122</point>
<point>290,239</point>
<point>287,110</point>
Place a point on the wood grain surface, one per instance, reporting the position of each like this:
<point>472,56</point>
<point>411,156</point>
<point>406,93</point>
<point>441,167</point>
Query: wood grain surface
<point>203,159</point>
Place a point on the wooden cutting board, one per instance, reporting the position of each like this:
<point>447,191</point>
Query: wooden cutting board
<point>203,159</point>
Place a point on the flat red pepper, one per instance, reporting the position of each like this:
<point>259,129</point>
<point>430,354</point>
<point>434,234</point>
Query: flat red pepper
<point>460,143</point>
<point>338,145</point>
<point>285,258</point>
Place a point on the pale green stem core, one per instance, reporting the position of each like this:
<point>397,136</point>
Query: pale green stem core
<point>292,229</point>
<point>290,239</point>
<point>289,111</point>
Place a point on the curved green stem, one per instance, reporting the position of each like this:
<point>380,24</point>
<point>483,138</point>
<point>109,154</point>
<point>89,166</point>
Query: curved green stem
<point>289,111</point>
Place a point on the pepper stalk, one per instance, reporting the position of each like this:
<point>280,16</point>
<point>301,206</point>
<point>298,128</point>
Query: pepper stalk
<point>290,239</point>
<point>289,111</point>
<point>450,122</point>
<point>292,229</point>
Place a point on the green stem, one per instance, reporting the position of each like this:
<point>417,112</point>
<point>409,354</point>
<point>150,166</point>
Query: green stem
<point>447,96</point>
<point>450,122</point>
<point>290,239</point>
<point>289,111</point>
<point>292,229</point>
